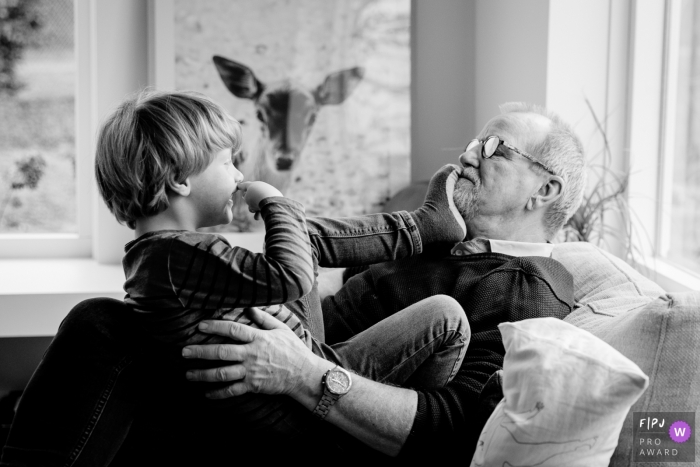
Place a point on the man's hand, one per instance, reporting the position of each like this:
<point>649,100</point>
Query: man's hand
<point>273,360</point>
<point>269,360</point>
<point>438,219</point>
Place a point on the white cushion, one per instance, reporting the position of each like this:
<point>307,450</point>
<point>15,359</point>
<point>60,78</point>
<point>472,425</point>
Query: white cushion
<point>566,395</point>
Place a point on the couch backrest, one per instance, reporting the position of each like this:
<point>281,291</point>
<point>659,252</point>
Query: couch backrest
<point>659,332</point>
<point>604,285</point>
<point>663,339</point>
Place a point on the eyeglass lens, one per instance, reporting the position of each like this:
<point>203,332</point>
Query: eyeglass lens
<point>472,144</point>
<point>490,146</point>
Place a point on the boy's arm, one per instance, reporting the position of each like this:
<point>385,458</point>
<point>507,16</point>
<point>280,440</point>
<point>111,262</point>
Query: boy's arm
<point>369,239</point>
<point>207,273</point>
<point>375,238</point>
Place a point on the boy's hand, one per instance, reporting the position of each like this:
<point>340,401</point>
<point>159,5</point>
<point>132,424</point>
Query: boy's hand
<point>438,219</point>
<point>254,192</point>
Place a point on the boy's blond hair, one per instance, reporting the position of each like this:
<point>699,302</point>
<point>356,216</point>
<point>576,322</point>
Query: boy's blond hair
<point>154,140</point>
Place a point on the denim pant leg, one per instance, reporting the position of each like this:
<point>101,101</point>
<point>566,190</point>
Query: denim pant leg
<point>421,346</point>
<point>79,404</point>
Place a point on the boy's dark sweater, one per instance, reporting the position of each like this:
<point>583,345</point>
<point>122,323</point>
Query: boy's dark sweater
<point>492,288</point>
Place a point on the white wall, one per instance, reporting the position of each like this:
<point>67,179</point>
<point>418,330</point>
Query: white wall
<point>442,83</point>
<point>511,55</point>
<point>555,53</point>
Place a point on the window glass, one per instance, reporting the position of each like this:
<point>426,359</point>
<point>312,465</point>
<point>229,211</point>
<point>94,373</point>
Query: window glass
<point>37,117</point>
<point>684,245</point>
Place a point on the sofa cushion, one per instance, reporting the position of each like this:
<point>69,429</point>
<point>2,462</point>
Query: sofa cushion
<point>604,285</point>
<point>663,339</point>
<point>566,395</point>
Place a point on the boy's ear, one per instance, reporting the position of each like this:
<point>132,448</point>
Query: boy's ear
<point>181,188</point>
<point>548,193</point>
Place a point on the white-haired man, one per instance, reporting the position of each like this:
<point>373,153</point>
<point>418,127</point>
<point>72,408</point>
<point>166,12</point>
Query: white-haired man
<point>521,179</point>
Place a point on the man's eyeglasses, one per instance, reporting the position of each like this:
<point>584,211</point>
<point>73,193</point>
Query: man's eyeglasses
<point>491,144</point>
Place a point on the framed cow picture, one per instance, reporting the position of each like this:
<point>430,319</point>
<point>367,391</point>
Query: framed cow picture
<point>321,89</point>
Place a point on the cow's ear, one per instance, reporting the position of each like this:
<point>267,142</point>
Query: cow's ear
<point>238,78</point>
<point>338,86</point>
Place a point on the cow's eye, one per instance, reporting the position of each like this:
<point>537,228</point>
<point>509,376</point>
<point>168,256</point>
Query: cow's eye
<point>312,119</point>
<point>260,116</point>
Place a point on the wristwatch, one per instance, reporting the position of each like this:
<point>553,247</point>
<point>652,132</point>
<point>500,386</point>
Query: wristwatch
<point>336,383</point>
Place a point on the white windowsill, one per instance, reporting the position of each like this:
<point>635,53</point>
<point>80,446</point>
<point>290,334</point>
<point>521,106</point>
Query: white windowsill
<point>669,276</point>
<point>36,294</point>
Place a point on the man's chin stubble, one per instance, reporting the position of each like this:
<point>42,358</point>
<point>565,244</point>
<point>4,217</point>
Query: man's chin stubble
<point>466,198</point>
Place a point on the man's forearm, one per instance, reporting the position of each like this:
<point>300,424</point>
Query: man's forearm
<point>380,416</point>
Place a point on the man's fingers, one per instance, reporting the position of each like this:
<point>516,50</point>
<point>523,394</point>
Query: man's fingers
<point>235,389</point>
<point>221,374</point>
<point>264,320</point>
<point>236,331</point>
<point>225,352</point>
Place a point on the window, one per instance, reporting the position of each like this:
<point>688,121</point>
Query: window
<point>680,240</point>
<point>44,205</point>
<point>665,141</point>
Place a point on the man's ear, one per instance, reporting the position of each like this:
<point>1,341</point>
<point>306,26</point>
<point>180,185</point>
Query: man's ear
<point>181,188</point>
<point>549,192</point>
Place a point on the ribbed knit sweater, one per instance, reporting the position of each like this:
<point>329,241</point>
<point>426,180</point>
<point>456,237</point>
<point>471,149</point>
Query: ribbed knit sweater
<point>492,288</point>
<point>177,278</point>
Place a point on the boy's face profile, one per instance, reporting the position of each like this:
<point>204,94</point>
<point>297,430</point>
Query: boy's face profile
<point>212,190</point>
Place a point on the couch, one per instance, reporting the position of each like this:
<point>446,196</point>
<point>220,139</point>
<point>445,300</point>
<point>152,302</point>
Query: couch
<point>658,331</point>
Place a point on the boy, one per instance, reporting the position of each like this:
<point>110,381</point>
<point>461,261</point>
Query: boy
<point>164,167</point>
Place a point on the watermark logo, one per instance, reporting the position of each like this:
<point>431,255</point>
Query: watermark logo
<point>664,436</point>
<point>680,431</point>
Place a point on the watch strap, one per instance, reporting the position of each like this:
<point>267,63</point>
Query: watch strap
<point>325,404</point>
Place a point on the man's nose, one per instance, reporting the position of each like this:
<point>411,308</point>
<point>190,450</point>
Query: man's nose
<point>470,157</point>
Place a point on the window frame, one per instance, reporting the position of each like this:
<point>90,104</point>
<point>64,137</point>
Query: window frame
<point>73,245</point>
<point>652,99</point>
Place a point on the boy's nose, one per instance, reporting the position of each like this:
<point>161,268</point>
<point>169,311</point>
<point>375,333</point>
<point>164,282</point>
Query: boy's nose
<point>470,157</point>
<point>238,177</point>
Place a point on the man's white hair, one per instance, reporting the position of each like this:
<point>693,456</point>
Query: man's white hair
<point>562,151</point>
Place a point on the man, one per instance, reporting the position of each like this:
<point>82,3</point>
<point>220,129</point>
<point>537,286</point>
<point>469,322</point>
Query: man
<point>522,178</point>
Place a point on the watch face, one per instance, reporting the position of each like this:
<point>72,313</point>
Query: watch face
<point>338,382</point>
